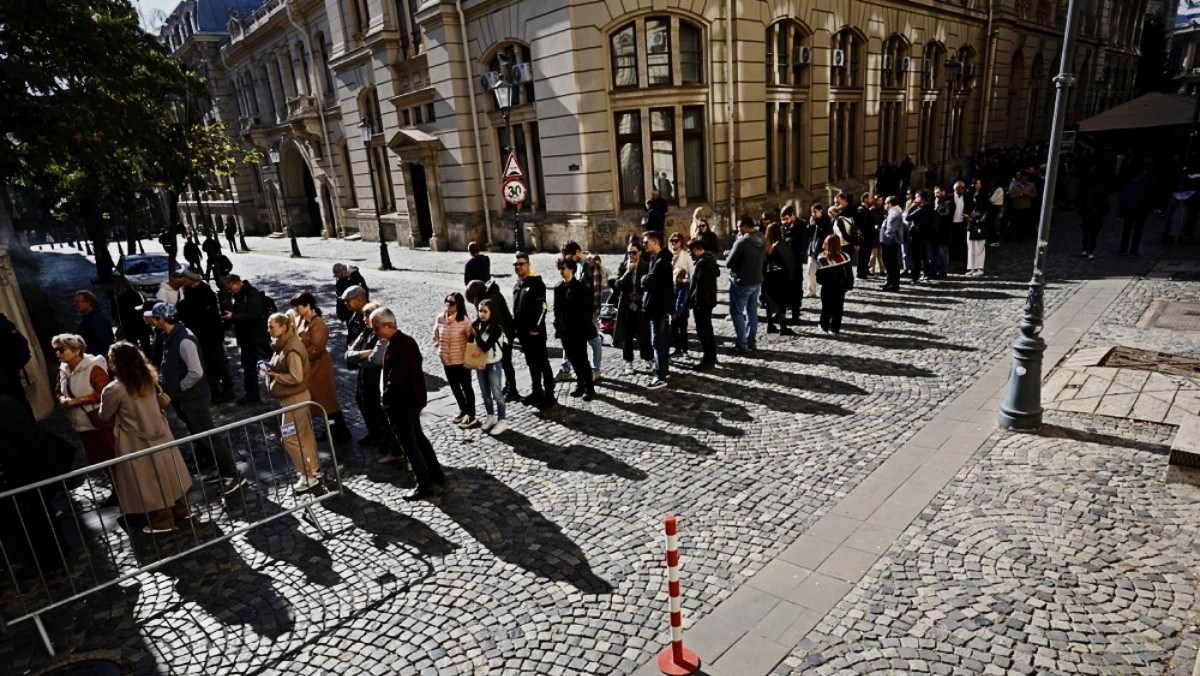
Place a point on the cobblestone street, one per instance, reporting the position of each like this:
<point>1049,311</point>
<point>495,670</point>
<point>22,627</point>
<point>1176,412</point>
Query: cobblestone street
<point>1055,552</point>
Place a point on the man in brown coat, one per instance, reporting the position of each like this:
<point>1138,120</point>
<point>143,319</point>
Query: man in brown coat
<point>403,397</point>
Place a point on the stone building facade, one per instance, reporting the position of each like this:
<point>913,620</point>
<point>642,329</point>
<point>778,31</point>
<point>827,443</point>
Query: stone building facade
<point>382,124</point>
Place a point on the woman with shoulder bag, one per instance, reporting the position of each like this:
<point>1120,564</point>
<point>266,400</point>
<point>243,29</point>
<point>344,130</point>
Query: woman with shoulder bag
<point>287,376</point>
<point>835,275</point>
<point>843,227</point>
<point>979,224</point>
<point>156,484</point>
<point>488,336</point>
<point>451,332</point>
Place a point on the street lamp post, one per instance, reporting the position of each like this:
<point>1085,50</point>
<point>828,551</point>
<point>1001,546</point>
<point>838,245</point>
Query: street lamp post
<point>237,215</point>
<point>287,219</point>
<point>1022,407</point>
<point>953,68</point>
<point>367,132</point>
<point>503,91</point>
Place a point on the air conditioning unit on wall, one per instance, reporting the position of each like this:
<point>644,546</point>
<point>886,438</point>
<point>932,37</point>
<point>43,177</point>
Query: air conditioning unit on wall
<point>905,64</point>
<point>887,61</point>
<point>839,58</point>
<point>801,55</point>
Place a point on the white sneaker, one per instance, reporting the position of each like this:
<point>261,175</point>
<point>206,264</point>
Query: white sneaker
<point>629,370</point>
<point>564,377</point>
<point>500,428</point>
<point>307,483</point>
<point>489,422</point>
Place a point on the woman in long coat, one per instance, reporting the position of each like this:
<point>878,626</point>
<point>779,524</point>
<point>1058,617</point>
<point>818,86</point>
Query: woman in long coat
<point>287,381</point>
<point>314,334</point>
<point>156,484</point>
<point>631,324</point>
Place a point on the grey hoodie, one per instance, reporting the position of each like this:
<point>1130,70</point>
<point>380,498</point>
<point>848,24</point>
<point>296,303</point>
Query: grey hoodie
<point>745,261</point>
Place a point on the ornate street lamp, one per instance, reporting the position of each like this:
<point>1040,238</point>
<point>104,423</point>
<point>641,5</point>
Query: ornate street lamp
<point>273,153</point>
<point>953,70</point>
<point>1022,407</point>
<point>367,132</point>
<point>502,89</point>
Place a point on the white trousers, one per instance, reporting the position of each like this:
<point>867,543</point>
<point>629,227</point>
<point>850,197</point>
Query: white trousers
<point>976,252</point>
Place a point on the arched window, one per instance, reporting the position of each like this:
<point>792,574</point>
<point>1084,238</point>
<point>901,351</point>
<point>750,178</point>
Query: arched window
<point>506,57</point>
<point>845,60</point>
<point>968,75</point>
<point>670,52</point>
<point>788,62</point>
<point>377,161</point>
<point>931,65</point>
<point>895,63</point>
<point>788,54</point>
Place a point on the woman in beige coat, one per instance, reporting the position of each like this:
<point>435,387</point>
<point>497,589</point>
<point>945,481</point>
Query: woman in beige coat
<point>287,380</point>
<point>156,483</point>
<point>314,334</point>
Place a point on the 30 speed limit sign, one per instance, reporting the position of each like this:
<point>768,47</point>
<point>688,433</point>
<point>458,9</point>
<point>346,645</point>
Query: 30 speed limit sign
<point>514,191</point>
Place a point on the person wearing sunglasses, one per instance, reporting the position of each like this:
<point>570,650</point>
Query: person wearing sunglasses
<point>451,332</point>
<point>529,319</point>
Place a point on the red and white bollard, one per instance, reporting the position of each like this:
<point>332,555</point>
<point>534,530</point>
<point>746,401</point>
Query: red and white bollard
<point>676,660</point>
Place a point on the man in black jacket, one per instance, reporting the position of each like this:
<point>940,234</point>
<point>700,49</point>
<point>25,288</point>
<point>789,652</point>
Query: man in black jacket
<point>921,219</point>
<point>658,289</point>
<point>702,298</point>
<point>574,325</point>
<point>346,276</point>
<point>529,324</point>
<point>796,236</point>
<point>249,318</point>
<point>201,312</point>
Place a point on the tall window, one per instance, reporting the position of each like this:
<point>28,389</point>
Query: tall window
<point>362,17</point>
<point>377,161</point>
<point>931,65</point>
<point>927,131</point>
<point>409,29</point>
<point>894,67</point>
<point>891,121</point>
<point>788,61</point>
<point>846,59</point>
<point>670,52</point>
<point>844,142</point>
<point>679,178</point>
<point>321,47</point>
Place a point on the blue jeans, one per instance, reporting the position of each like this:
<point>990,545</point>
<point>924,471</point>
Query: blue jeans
<point>660,338</point>
<point>491,388</point>
<point>743,308</point>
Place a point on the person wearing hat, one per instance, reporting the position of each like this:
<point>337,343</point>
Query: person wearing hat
<point>201,312</point>
<point>182,376</point>
<point>702,298</point>
<point>353,299</point>
<point>344,277</point>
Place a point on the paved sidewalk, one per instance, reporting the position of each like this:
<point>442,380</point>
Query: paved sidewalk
<point>756,627</point>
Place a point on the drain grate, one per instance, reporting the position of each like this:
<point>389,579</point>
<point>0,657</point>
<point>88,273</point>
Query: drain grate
<point>1174,315</point>
<point>1148,360</point>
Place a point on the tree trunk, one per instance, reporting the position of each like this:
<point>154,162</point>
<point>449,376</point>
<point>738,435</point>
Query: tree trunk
<point>98,234</point>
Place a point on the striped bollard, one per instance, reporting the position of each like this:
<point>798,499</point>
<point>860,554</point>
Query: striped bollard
<point>676,660</point>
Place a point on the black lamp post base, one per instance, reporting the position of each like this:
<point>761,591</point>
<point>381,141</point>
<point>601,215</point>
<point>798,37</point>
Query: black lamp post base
<point>385,258</point>
<point>1022,407</point>
<point>295,248</point>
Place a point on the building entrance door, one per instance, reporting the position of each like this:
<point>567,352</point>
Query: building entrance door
<point>420,191</point>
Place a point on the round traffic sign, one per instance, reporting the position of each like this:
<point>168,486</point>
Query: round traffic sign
<point>514,191</point>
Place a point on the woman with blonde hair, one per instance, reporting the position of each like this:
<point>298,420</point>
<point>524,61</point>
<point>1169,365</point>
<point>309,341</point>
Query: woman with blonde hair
<point>81,379</point>
<point>156,484</point>
<point>287,377</point>
<point>314,334</point>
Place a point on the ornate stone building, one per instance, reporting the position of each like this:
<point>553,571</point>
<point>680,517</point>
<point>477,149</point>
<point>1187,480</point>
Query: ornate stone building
<point>381,122</point>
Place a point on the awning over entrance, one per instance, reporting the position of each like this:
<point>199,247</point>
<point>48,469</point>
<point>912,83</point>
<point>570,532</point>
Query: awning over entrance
<point>1150,110</point>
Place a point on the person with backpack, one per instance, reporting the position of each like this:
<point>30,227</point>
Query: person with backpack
<point>249,314</point>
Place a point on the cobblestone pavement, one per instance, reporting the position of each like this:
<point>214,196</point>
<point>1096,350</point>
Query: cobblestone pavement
<point>1055,552</point>
<point>544,555</point>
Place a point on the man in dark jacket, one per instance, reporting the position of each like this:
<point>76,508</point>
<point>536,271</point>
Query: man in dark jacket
<point>529,325</point>
<point>402,395</point>
<point>94,325</point>
<point>864,220</point>
<point>478,267</point>
<point>574,325</point>
<point>182,377</point>
<point>702,298</point>
<point>200,311</point>
<point>745,265</point>
<point>658,302</point>
<point>249,318</point>
<point>346,276</point>
<point>212,249</point>
<point>796,237</point>
<point>920,218</point>
<point>478,292</point>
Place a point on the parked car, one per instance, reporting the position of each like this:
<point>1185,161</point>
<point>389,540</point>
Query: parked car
<point>146,271</point>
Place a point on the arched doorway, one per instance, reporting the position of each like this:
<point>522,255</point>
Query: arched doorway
<point>300,191</point>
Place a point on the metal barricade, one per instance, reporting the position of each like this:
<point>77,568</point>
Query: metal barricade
<point>73,544</point>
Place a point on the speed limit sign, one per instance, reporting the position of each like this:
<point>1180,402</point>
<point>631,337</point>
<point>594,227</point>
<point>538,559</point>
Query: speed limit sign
<point>514,191</point>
